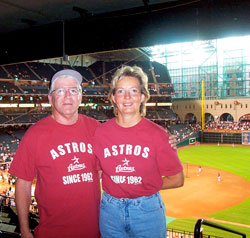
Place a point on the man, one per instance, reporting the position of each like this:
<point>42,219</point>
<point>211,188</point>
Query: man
<point>58,150</point>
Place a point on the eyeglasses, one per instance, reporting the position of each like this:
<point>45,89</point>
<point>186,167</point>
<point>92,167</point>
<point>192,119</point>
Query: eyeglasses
<point>123,92</point>
<point>62,91</point>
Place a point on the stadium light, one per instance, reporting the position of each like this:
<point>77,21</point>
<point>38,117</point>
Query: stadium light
<point>27,105</point>
<point>162,104</point>
<point>7,105</point>
<point>150,104</point>
<point>45,105</point>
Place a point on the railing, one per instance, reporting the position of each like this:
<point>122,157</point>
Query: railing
<point>171,233</point>
<point>198,233</point>
<point>174,233</point>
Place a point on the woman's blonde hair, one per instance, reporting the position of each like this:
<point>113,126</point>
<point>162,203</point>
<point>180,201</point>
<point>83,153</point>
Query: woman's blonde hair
<point>136,72</point>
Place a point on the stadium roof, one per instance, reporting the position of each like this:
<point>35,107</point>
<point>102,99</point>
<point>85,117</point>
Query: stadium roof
<point>16,15</point>
<point>40,29</point>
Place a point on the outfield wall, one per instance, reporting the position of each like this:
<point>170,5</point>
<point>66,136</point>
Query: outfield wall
<point>222,137</point>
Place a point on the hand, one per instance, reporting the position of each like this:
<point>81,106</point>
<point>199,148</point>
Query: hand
<point>100,174</point>
<point>173,141</point>
<point>27,235</point>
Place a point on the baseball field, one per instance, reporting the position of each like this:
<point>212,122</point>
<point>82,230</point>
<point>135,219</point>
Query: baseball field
<point>217,188</point>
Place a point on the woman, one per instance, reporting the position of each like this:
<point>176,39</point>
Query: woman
<point>136,162</point>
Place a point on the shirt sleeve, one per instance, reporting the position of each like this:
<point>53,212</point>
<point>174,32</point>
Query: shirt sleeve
<point>23,164</point>
<point>167,158</point>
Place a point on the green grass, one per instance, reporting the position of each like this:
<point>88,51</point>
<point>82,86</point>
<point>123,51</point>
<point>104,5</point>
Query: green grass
<point>239,213</point>
<point>189,224</point>
<point>232,159</point>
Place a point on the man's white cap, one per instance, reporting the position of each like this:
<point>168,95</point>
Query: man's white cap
<point>66,72</point>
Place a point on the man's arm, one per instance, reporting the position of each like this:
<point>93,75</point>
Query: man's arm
<point>23,198</point>
<point>173,141</point>
<point>174,181</point>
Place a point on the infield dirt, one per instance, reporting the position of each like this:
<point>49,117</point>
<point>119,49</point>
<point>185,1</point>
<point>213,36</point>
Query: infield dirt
<point>202,193</point>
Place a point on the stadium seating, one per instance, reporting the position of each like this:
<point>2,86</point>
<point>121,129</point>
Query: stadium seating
<point>3,119</point>
<point>228,125</point>
<point>98,115</point>
<point>3,74</point>
<point>7,87</point>
<point>9,222</point>
<point>152,114</point>
<point>96,76</point>
<point>43,70</point>
<point>161,73</point>
<point>37,89</point>
<point>20,71</point>
<point>183,131</point>
<point>167,114</point>
<point>85,72</point>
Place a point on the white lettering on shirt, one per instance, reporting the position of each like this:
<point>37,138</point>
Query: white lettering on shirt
<point>82,147</point>
<point>77,178</point>
<point>106,152</point>
<point>54,154</point>
<point>68,148</point>
<point>75,147</point>
<point>133,180</point>
<point>90,151</point>
<point>128,149</point>
<point>121,149</point>
<point>61,150</point>
<point>114,149</point>
<point>137,150</point>
<point>145,154</point>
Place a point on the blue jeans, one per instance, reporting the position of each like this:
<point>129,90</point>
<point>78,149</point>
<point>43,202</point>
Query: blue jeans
<point>142,217</point>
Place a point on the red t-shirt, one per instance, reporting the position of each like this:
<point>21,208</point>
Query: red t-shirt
<point>67,189</point>
<point>134,159</point>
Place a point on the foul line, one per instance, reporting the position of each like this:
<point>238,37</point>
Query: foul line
<point>227,222</point>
